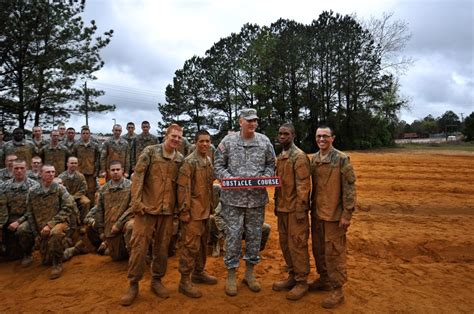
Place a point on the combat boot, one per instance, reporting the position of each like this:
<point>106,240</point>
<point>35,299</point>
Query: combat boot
<point>131,294</point>
<point>250,279</point>
<point>319,285</point>
<point>298,291</point>
<point>203,277</point>
<point>285,284</point>
<point>56,270</point>
<point>27,261</point>
<point>335,299</point>
<point>158,288</point>
<point>187,288</point>
<point>231,283</point>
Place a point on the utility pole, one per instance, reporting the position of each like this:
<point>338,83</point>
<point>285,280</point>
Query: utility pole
<point>86,103</point>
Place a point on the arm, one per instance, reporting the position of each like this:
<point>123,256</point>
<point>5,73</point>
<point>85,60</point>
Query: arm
<point>348,191</point>
<point>3,212</point>
<point>269,160</point>
<point>138,178</point>
<point>221,160</point>
<point>184,191</point>
<point>67,207</point>
<point>103,157</point>
<point>99,213</point>
<point>127,160</point>
<point>302,185</point>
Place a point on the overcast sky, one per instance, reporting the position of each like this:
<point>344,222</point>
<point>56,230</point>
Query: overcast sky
<point>153,38</point>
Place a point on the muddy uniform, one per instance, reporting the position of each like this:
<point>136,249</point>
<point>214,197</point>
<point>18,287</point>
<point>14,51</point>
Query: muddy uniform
<point>115,150</point>
<point>244,209</point>
<point>139,143</point>
<point>154,203</point>
<point>33,175</point>
<point>5,175</point>
<point>291,200</point>
<point>88,155</point>
<point>52,207</point>
<point>13,208</point>
<point>113,208</point>
<point>55,156</point>
<point>76,185</point>
<point>195,200</point>
<point>24,149</point>
<point>39,144</point>
<point>130,139</point>
<point>333,196</point>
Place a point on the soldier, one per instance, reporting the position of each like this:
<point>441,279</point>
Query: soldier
<point>112,220</point>
<point>185,148</point>
<point>76,185</point>
<point>195,201</point>
<point>153,202</point>
<point>38,139</point>
<point>244,154</point>
<point>49,207</point>
<point>62,131</point>
<point>115,148</point>
<point>55,153</point>
<point>130,137</point>
<point>14,226</point>
<point>333,199</point>
<point>141,141</point>
<point>70,139</point>
<point>35,172</point>
<point>7,173</point>
<point>291,208</point>
<point>20,147</point>
<point>88,155</point>
<point>2,143</point>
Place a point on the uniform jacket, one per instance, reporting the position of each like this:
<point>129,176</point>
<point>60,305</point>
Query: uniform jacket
<point>55,156</point>
<point>115,150</point>
<point>76,184</point>
<point>13,204</point>
<point>23,149</point>
<point>88,156</point>
<point>139,143</point>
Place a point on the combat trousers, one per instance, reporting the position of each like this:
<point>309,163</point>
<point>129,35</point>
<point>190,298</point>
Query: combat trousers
<point>91,188</point>
<point>294,244</point>
<point>329,251</point>
<point>146,226</point>
<point>238,220</point>
<point>84,204</point>
<point>19,243</point>
<point>192,250</point>
<point>52,246</point>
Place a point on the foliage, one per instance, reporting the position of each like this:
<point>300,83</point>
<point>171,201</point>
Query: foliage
<point>468,128</point>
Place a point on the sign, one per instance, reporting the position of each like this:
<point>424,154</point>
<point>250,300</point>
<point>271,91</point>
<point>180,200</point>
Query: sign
<point>250,183</point>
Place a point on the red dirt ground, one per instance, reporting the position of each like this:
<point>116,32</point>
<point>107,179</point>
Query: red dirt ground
<point>411,249</point>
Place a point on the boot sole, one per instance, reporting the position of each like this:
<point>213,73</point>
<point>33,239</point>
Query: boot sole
<point>203,282</point>
<point>194,296</point>
<point>231,293</point>
<point>332,306</point>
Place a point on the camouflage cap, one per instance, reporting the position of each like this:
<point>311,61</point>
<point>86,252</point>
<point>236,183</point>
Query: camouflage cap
<point>248,114</point>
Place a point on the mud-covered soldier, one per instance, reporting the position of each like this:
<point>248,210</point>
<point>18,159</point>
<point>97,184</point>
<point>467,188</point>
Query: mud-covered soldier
<point>37,138</point>
<point>88,154</point>
<point>62,131</point>
<point>195,201</point>
<point>110,222</point>
<point>20,147</point>
<point>333,199</point>
<point>14,227</point>
<point>115,148</point>
<point>7,172</point>
<point>49,207</point>
<point>76,185</point>
<point>154,204</point>
<point>141,141</point>
<point>291,208</point>
<point>244,154</point>
<point>55,153</point>
<point>130,137</point>
<point>34,173</point>
<point>70,139</point>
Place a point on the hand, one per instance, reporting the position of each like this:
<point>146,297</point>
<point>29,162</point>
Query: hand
<point>13,226</point>
<point>102,236</point>
<point>301,216</point>
<point>102,174</point>
<point>115,229</point>
<point>185,216</point>
<point>344,223</point>
<point>45,231</point>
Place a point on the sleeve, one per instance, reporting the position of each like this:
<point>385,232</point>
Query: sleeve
<point>126,167</point>
<point>126,216</point>
<point>221,160</point>
<point>29,215</point>
<point>349,197</point>
<point>66,209</point>
<point>3,210</point>
<point>97,160</point>
<point>184,187</point>
<point>303,182</point>
<point>82,187</point>
<point>138,179</point>
<point>133,148</point>
<point>99,213</point>
<point>269,160</point>
<point>103,157</point>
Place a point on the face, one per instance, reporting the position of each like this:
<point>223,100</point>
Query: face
<point>18,135</point>
<point>203,143</point>
<point>85,135</point>
<point>324,138</point>
<point>248,127</point>
<point>285,136</point>
<point>72,164</point>
<point>62,130</point>
<point>116,172</point>
<point>37,132</point>
<point>70,134</point>
<point>117,130</point>
<point>130,128</point>
<point>173,139</point>
<point>9,161</point>
<point>146,128</point>
<point>36,164</point>
<point>54,136</point>
<point>19,170</point>
<point>47,174</point>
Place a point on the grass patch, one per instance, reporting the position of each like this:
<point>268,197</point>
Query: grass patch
<point>459,146</point>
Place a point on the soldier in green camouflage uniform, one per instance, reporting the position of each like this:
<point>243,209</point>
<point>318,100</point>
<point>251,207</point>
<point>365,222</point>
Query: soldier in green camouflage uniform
<point>244,154</point>
<point>141,141</point>
<point>14,226</point>
<point>70,139</point>
<point>35,172</point>
<point>38,139</point>
<point>333,199</point>
<point>115,148</point>
<point>48,208</point>
<point>112,219</point>
<point>130,137</point>
<point>7,173</point>
<point>55,153</point>
<point>20,147</point>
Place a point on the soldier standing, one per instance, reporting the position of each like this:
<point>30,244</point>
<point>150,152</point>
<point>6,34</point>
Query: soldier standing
<point>20,147</point>
<point>291,208</point>
<point>35,172</point>
<point>55,153</point>
<point>195,201</point>
<point>130,137</point>
<point>70,139</point>
<point>14,226</point>
<point>141,141</point>
<point>244,154</point>
<point>49,207</point>
<point>115,148</point>
<point>2,144</point>
<point>38,139</point>
<point>154,204</point>
<point>333,199</point>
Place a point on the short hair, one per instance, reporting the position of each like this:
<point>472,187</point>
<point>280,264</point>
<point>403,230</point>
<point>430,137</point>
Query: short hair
<point>145,122</point>
<point>47,165</point>
<point>116,125</point>
<point>199,133</point>
<point>323,126</point>
<point>36,157</point>
<point>18,129</point>
<point>289,126</point>
<point>115,162</point>
<point>130,123</point>
<point>172,127</point>
<point>70,128</point>
<point>72,157</point>
<point>19,160</point>
<point>36,126</point>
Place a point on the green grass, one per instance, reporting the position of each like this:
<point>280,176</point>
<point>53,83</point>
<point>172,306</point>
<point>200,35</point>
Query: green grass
<point>456,146</point>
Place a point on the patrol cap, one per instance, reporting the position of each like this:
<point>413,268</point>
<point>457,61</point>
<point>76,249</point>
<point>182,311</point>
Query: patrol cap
<point>248,114</point>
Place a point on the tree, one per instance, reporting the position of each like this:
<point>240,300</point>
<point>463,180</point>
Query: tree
<point>448,122</point>
<point>468,128</point>
<point>46,50</point>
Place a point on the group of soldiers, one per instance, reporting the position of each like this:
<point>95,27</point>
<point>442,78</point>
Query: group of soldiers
<point>136,219</point>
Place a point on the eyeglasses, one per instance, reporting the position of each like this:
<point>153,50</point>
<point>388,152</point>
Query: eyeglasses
<point>323,136</point>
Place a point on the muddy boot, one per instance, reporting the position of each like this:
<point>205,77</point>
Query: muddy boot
<point>286,284</point>
<point>131,294</point>
<point>231,283</point>
<point>158,288</point>
<point>319,285</point>
<point>216,250</point>
<point>335,299</point>
<point>27,261</point>
<point>298,291</point>
<point>56,270</point>
<point>250,279</point>
<point>203,277</point>
<point>187,288</point>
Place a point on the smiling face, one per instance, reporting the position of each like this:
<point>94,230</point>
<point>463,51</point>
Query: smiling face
<point>173,139</point>
<point>117,131</point>
<point>248,127</point>
<point>202,144</point>
<point>324,139</point>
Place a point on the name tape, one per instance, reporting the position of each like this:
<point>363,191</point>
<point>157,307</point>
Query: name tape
<point>250,183</point>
